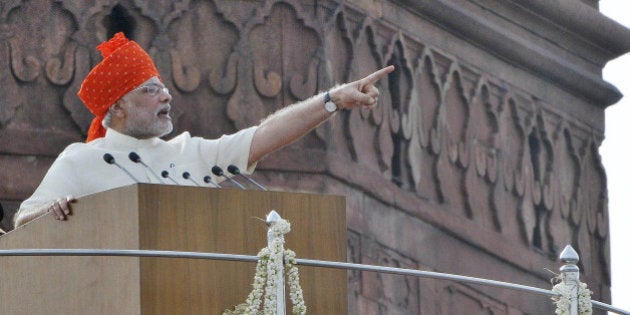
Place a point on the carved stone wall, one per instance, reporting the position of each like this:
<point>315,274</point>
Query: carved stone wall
<point>481,158</point>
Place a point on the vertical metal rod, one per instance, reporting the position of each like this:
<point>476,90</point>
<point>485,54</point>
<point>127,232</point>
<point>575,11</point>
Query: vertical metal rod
<point>272,218</point>
<point>571,276</point>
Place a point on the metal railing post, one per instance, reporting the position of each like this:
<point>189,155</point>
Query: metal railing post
<point>273,241</point>
<point>570,275</point>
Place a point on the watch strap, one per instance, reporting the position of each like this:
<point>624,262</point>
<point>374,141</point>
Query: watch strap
<point>329,105</point>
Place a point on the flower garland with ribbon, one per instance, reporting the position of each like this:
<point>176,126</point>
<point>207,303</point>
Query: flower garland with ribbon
<point>272,259</point>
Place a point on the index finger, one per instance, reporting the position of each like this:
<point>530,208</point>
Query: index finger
<point>377,75</point>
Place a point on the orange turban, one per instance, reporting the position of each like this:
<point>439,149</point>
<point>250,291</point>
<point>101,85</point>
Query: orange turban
<point>124,67</point>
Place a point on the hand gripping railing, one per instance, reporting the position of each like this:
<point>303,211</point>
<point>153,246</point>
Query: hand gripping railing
<point>569,271</point>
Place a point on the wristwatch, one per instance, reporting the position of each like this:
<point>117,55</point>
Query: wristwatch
<point>329,105</point>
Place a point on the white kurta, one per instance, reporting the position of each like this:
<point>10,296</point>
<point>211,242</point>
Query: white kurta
<point>80,169</point>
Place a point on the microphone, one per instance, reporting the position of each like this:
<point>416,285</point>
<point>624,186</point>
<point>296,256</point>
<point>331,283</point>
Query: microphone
<point>165,175</point>
<point>133,156</point>
<point>186,175</point>
<point>109,159</point>
<point>216,170</point>
<point>208,180</point>
<point>235,171</point>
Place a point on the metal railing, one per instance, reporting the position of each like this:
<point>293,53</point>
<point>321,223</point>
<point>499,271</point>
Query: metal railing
<point>569,271</point>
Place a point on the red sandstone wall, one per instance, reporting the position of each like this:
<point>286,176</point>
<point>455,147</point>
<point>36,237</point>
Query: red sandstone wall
<point>481,158</point>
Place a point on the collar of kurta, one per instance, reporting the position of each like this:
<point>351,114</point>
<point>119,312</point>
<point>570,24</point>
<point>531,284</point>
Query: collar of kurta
<point>123,140</point>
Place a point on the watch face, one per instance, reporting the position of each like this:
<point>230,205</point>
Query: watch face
<point>330,107</point>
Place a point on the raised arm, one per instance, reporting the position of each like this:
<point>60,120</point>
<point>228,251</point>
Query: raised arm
<point>294,121</point>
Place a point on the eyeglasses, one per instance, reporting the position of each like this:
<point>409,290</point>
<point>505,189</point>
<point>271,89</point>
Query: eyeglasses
<point>152,89</point>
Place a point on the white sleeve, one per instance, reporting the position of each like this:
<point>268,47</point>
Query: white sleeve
<point>231,149</point>
<point>58,182</point>
<point>228,149</point>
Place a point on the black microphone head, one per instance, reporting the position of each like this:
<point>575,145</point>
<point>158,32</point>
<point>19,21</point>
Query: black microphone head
<point>109,158</point>
<point>134,157</point>
<point>207,179</point>
<point>186,175</point>
<point>165,174</point>
<point>216,170</point>
<point>233,169</point>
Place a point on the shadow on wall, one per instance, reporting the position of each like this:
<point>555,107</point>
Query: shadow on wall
<point>2,231</point>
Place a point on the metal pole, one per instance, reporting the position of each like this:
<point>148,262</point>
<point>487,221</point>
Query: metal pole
<point>303,262</point>
<point>571,276</point>
<point>273,238</point>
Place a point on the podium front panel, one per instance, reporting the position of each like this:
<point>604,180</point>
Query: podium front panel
<point>174,218</point>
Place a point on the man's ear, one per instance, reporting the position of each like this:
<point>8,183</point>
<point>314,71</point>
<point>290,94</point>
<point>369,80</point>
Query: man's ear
<point>117,110</point>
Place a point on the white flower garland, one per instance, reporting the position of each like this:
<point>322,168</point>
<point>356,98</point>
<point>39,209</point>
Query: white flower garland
<point>295,290</point>
<point>563,299</point>
<point>272,259</point>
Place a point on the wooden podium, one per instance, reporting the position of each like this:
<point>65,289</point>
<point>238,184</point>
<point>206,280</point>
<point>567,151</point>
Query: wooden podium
<point>161,217</point>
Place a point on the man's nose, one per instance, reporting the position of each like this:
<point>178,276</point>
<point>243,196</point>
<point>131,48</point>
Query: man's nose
<point>165,95</point>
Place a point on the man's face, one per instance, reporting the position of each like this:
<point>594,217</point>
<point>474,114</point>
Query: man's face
<point>147,109</point>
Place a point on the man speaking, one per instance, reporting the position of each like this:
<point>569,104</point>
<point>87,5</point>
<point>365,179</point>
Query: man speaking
<point>132,107</point>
